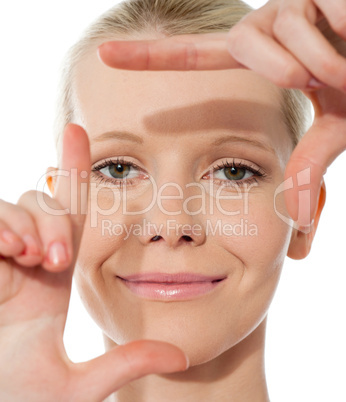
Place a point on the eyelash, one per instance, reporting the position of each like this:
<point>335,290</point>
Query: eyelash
<point>108,162</point>
<point>257,172</point>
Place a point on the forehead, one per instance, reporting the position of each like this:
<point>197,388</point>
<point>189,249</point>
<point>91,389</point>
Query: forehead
<point>156,102</point>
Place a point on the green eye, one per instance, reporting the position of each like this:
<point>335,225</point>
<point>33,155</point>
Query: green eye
<point>118,170</point>
<point>235,173</point>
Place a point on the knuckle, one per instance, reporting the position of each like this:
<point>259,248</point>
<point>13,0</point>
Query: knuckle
<point>306,160</point>
<point>148,59</point>
<point>287,76</point>
<point>17,216</point>
<point>127,360</point>
<point>284,23</point>
<point>235,39</point>
<point>29,202</point>
<point>26,197</point>
<point>191,56</point>
<point>24,221</point>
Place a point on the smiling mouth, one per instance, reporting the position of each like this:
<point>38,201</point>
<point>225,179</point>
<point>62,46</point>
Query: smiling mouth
<point>169,289</point>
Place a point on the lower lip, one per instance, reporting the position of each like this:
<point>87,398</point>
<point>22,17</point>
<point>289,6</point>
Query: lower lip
<point>173,291</point>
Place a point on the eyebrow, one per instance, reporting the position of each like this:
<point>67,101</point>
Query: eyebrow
<point>119,135</point>
<point>127,136</point>
<point>233,138</point>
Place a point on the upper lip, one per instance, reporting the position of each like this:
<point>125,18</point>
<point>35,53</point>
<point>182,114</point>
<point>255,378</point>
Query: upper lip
<point>181,277</point>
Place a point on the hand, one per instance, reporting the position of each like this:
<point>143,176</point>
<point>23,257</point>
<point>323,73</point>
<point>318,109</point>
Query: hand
<point>289,42</point>
<point>285,41</point>
<point>35,287</point>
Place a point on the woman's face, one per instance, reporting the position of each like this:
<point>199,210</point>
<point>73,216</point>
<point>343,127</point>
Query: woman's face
<point>213,220</point>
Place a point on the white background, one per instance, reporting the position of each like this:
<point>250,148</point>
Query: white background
<point>306,350</point>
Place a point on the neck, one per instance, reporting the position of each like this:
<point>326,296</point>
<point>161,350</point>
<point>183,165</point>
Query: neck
<point>237,375</point>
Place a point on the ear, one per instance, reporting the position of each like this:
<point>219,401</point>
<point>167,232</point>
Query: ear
<point>51,179</point>
<point>301,242</point>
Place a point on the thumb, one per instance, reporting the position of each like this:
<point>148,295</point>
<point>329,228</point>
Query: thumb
<point>73,178</point>
<point>319,147</point>
<point>97,379</point>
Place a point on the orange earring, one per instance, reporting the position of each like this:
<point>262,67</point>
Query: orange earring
<point>50,184</point>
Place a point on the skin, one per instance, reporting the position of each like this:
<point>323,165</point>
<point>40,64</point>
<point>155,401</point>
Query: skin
<point>310,57</point>
<point>177,132</point>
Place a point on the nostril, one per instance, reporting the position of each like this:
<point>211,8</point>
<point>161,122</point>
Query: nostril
<point>187,238</point>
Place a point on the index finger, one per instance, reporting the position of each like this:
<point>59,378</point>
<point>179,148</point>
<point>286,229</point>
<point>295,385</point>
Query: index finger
<point>73,177</point>
<point>179,53</point>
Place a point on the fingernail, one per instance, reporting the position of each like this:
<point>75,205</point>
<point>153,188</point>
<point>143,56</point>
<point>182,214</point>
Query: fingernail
<point>57,253</point>
<point>9,237</point>
<point>32,247</point>
<point>315,84</point>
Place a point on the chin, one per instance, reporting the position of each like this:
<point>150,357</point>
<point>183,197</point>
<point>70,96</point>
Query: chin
<point>200,346</point>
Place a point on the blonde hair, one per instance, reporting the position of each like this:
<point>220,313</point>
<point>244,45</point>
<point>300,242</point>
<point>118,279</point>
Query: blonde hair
<point>168,18</point>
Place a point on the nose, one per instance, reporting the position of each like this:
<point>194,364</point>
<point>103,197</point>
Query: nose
<point>171,222</point>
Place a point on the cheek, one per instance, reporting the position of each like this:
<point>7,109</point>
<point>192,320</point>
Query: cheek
<point>101,239</point>
<point>259,240</point>
<point>257,249</point>
<point>258,218</point>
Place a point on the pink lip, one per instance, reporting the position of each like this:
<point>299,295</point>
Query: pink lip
<point>181,286</point>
